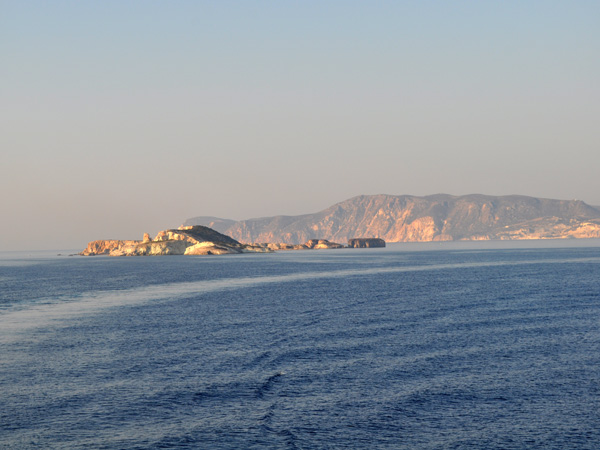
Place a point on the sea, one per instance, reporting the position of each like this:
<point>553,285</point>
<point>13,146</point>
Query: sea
<point>414,346</point>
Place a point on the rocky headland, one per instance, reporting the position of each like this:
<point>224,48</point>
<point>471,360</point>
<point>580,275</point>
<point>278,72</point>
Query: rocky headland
<point>186,240</point>
<point>193,240</point>
<point>407,218</point>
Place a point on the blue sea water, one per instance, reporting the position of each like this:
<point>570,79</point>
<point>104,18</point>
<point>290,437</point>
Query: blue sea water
<point>396,348</point>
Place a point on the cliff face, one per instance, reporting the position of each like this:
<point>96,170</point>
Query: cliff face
<point>432,218</point>
<point>105,247</point>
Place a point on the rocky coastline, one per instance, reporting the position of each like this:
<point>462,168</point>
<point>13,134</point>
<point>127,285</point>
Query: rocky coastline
<point>195,240</point>
<point>188,240</point>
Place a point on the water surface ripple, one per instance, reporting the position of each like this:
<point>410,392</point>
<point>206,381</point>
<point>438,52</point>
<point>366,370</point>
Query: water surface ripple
<point>495,349</point>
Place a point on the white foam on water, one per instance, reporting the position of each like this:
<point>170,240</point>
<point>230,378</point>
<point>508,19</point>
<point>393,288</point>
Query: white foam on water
<point>55,312</point>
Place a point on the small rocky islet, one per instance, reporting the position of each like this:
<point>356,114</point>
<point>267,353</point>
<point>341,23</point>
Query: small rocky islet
<point>201,240</point>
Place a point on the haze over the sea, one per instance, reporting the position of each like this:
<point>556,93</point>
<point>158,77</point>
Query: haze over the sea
<point>118,118</point>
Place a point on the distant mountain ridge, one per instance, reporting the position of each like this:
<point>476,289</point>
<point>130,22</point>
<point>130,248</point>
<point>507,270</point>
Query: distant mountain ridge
<point>407,218</point>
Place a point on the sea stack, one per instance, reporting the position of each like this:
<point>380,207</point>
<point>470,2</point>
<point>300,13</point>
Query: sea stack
<point>366,243</point>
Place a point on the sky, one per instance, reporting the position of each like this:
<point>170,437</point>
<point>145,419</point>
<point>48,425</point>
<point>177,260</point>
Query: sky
<point>124,117</point>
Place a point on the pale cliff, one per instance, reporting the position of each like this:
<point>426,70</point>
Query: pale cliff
<point>188,240</point>
<point>433,218</point>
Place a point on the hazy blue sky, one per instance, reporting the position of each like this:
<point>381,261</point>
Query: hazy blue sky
<point>120,117</point>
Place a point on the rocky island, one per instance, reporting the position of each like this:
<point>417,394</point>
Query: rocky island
<point>366,243</point>
<point>186,240</point>
<point>193,240</point>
